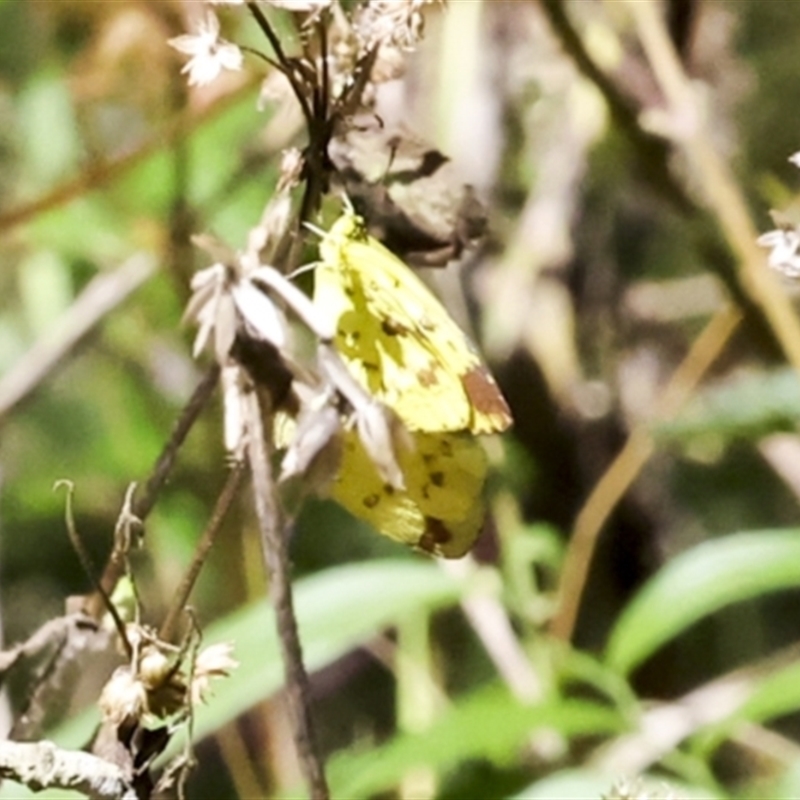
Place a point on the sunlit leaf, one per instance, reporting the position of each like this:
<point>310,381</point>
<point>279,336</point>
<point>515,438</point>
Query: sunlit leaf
<point>698,583</point>
<point>489,724</point>
<point>752,405</point>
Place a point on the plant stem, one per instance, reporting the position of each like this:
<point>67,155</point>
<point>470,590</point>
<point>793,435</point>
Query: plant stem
<point>275,553</point>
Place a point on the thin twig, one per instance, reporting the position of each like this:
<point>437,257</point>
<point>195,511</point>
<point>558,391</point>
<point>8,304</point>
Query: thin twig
<point>201,552</point>
<point>51,657</point>
<point>103,294</point>
<point>623,470</point>
<point>115,566</point>
<point>88,565</point>
<point>284,64</point>
<point>166,461</point>
<point>275,553</point>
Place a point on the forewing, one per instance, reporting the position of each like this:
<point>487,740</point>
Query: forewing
<point>401,342</point>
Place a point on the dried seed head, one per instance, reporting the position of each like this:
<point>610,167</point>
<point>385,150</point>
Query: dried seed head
<point>124,697</point>
<point>399,23</point>
<point>155,667</point>
<point>215,661</point>
<point>316,441</point>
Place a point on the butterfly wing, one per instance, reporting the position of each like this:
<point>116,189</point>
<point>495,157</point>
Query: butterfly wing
<point>440,511</point>
<point>400,341</point>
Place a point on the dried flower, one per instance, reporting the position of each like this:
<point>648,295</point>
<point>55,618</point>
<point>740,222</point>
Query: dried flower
<point>225,300</point>
<point>314,441</point>
<point>212,662</point>
<point>209,54</point>
<point>391,22</point>
<point>784,244</point>
<point>123,697</point>
<point>155,666</point>
<point>259,315</point>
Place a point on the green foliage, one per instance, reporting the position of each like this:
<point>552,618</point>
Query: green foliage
<point>749,406</point>
<point>698,582</point>
<point>462,680</point>
<point>490,724</point>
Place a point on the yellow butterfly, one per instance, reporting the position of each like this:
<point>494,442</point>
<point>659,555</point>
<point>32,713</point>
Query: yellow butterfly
<point>400,342</point>
<point>402,345</point>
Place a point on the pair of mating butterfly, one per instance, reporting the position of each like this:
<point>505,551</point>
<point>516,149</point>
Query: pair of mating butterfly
<point>403,347</point>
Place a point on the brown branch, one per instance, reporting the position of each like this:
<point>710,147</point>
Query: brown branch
<point>166,461</point>
<point>275,552</point>
<point>115,566</point>
<point>42,765</point>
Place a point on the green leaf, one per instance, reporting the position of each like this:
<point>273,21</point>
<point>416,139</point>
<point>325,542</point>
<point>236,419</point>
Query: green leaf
<point>488,724</point>
<point>750,406</point>
<point>770,696</point>
<point>337,610</point>
<point>698,583</point>
<point>773,696</point>
<point>47,123</point>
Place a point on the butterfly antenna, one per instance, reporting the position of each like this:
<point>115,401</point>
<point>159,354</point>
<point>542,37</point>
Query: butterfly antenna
<point>303,269</point>
<point>315,229</point>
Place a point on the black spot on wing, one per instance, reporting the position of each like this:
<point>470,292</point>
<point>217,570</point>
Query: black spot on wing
<point>436,534</point>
